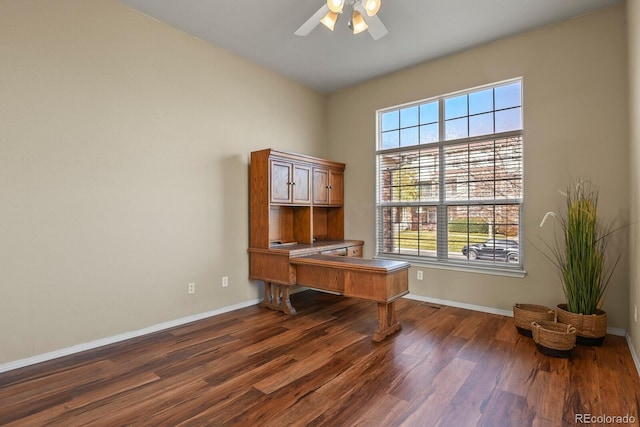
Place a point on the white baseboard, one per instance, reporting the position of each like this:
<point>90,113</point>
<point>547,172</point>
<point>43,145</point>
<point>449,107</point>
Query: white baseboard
<point>617,331</point>
<point>483,309</point>
<point>457,304</point>
<point>121,337</point>
<point>634,355</point>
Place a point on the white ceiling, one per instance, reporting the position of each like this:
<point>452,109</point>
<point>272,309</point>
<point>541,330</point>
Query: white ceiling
<point>419,30</point>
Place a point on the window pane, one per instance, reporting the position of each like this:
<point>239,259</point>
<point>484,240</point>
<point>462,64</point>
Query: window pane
<point>507,120</point>
<point>457,173</point>
<point>390,121</point>
<point>481,238</point>
<point>399,176</point>
<point>455,107</point>
<point>507,225</point>
<point>428,179</point>
<point>409,137</point>
<point>409,117</point>
<point>429,113</point>
<point>390,139</point>
<point>388,167</point>
<point>481,124</point>
<point>409,237</point>
<point>481,102</point>
<point>509,168</point>
<point>481,171</point>
<point>457,226</point>
<point>508,96</point>
<point>455,129</point>
<point>429,133</point>
<point>409,230</point>
<point>484,233</point>
<point>426,230</point>
<point>467,227</point>
<point>389,230</point>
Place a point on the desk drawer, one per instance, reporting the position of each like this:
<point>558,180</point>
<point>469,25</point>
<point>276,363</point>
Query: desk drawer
<point>340,252</point>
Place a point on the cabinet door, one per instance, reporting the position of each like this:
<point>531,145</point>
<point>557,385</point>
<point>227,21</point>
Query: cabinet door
<point>281,182</point>
<point>336,187</point>
<point>328,186</point>
<point>301,184</point>
<point>320,186</point>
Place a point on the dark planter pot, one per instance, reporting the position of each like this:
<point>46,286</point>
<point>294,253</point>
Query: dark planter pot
<point>591,329</point>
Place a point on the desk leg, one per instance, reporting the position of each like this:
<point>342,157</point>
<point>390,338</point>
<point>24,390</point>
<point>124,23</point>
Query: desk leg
<point>276,297</point>
<point>387,323</point>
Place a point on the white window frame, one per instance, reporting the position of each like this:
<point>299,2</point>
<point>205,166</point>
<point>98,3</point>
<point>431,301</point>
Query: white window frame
<point>442,258</point>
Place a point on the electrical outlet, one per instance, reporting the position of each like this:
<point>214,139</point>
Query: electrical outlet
<point>191,288</point>
<point>225,281</point>
<point>419,275</point>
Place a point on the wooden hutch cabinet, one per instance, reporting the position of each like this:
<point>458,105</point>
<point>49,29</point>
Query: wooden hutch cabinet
<point>297,200</point>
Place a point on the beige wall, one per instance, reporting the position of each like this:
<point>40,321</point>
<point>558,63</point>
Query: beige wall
<point>575,124</point>
<point>633,22</point>
<point>124,150</point>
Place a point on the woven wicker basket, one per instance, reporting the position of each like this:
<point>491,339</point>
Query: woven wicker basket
<point>590,328</point>
<point>524,314</point>
<point>554,339</point>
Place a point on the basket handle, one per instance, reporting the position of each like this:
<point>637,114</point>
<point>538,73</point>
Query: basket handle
<point>535,327</point>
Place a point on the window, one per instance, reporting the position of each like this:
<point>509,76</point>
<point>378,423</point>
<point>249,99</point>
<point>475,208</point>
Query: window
<point>450,182</point>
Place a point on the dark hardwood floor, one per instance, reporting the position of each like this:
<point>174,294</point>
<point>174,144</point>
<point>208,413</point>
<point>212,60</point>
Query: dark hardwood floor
<point>256,367</point>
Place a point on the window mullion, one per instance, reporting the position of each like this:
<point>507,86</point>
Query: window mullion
<point>441,234</point>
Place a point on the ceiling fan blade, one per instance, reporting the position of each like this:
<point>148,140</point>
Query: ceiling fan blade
<point>376,29</point>
<point>312,22</point>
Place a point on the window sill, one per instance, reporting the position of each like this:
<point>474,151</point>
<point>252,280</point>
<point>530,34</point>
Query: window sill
<point>480,269</point>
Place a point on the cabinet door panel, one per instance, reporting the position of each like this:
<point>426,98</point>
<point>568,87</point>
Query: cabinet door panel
<point>336,186</point>
<point>320,186</point>
<point>280,182</point>
<point>302,184</point>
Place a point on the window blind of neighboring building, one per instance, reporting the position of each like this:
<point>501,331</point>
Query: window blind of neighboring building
<point>450,181</point>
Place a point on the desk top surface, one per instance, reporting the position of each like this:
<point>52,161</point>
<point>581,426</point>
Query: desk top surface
<point>301,249</point>
<point>352,263</point>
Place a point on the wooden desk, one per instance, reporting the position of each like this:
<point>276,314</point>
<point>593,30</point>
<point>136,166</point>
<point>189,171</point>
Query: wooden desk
<point>273,266</point>
<point>298,201</point>
<point>381,281</point>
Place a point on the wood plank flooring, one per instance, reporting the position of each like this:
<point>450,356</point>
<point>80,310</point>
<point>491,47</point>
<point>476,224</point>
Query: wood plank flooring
<point>256,367</point>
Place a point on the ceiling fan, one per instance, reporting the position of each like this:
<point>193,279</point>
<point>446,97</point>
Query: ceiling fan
<point>363,17</point>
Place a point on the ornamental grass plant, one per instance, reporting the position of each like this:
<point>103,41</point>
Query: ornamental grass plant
<point>578,252</point>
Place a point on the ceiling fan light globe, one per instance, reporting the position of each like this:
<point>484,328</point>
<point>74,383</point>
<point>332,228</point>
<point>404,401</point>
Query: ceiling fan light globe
<point>335,5</point>
<point>358,23</point>
<point>371,6</point>
<point>329,20</point>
